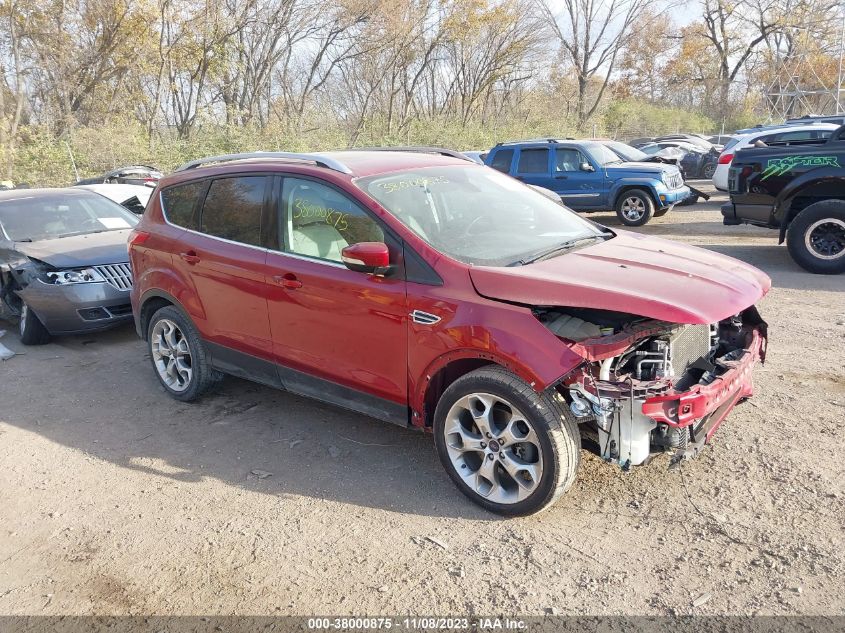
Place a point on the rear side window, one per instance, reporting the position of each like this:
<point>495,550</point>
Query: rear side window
<point>502,160</point>
<point>803,135</point>
<point>232,209</point>
<point>134,205</point>
<point>178,203</point>
<point>533,161</point>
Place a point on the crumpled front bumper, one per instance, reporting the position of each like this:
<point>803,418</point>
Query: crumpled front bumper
<point>76,308</point>
<point>704,407</point>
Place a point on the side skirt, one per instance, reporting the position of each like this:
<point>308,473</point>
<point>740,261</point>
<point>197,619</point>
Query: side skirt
<point>267,373</point>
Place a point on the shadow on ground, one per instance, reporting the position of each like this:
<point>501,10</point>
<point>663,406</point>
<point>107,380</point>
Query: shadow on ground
<point>104,400</point>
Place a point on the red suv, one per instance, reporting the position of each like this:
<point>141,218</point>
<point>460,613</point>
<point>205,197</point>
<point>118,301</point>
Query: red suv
<point>428,291</point>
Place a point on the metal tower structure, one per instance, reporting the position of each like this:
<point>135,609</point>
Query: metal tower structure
<point>801,87</point>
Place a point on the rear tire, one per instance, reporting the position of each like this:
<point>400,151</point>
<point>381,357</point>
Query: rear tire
<point>816,238</point>
<point>635,207</point>
<point>509,449</point>
<point>31,328</point>
<point>179,356</point>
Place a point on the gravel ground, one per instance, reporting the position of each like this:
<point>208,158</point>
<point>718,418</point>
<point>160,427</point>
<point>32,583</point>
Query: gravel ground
<point>116,499</point>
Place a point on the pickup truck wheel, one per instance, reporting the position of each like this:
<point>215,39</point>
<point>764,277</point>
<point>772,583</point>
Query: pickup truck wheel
<point>635,207</point>
<point>816,238</point>
<point>506,447</point>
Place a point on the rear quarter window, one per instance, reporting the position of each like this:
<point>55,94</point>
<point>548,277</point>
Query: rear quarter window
<point>232,209</point>
<point>502,160</point>
<point>533,161</point>
<point>178,204</point>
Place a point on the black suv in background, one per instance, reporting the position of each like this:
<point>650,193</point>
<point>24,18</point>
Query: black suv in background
<point>798,189</point>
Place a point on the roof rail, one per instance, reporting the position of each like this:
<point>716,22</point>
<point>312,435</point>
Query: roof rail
<point>318,159</point>
<point>420,149</point>
<point>537,141</point>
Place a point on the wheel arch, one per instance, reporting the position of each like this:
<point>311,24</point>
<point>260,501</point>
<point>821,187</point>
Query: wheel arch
<point>150,303</point>
<point>446,369</point>
<point>625,187</point>
<point>801,192</point>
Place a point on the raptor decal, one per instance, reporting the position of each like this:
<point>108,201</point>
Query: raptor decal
<point>780,166</point>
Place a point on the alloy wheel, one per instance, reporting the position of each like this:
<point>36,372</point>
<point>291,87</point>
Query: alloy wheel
<point>825,238</point>
<point>493,448</point>
<point>171,355</point>
<point>633,209</point>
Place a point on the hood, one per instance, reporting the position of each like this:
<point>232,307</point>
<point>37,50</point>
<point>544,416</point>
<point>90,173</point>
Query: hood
<point>632,273</point>
<point>641,167</point>
<point>91,249</point>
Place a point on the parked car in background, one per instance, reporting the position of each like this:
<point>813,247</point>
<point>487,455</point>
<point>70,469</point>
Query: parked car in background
<point>694,161</point>
<point>693,139</point>
<point>590,177</point>
<point>776,136</point>
<point>476,156</point>
<point>131,175</point>
<point>721,139</point>
<point>64,268</point>
<point>798,189</point>
<point>437,294</point>
<point>131,197</point>
<point>670,156</point>
<point>836,119</point>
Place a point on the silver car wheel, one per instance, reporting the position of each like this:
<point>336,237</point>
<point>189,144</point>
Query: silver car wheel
<point>633,209</point>
<point>493,448</point>
<point>24,315</point>
<point>171,355</point>
<point>825,238</point>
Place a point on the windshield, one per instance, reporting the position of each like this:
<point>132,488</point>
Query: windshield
<point>477,215</point>
<point>601,154</point>
<point>38,217</point>
<point>626,152</point>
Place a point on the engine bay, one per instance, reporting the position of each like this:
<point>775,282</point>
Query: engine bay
<point>633,364</point>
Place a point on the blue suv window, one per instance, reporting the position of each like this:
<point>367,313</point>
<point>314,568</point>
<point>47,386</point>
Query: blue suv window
<point>568,159</point>
<point>502,160</point>
<point>533,161</point>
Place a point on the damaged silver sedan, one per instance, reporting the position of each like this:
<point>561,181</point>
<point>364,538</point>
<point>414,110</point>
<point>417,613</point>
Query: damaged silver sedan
<point>63,262</point>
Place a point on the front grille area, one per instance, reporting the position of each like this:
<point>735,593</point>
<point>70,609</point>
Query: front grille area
<point>687,346</point>
<point>673,181</point>
<point>118,276</point>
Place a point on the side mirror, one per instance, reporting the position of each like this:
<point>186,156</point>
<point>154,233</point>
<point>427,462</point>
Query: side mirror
<point>367,257</point>
<point>586,167</point>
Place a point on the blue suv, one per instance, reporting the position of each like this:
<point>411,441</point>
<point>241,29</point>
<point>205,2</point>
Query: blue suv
<point>590,177</point>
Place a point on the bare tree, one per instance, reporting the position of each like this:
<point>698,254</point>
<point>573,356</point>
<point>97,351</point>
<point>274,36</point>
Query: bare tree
<point>13,88</point>
<point>735,30</point>
<point>592,34</point>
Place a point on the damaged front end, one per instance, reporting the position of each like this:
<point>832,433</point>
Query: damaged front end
<point>649,386</point>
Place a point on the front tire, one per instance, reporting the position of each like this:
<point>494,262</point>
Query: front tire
<point>708,170</point>
<point>511,450</point>
<point>179,356</point>
<point>31,328</point>
<point>816,238</point>
<point>635,207</point>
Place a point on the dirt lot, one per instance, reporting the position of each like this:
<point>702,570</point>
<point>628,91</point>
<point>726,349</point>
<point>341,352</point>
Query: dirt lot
<point>116,499</point>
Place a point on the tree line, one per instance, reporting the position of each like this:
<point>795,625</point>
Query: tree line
<point>386,69</point>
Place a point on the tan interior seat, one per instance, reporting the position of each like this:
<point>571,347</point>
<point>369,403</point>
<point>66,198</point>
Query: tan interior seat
<point>312,235</point>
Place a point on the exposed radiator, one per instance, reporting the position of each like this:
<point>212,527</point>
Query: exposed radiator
<point>687,345</point>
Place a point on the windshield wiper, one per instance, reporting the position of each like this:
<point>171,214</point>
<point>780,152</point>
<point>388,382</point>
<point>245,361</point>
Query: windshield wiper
<point>563,246</point>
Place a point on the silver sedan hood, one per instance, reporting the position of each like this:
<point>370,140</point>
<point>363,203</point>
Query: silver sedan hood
<point>90,249</point>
